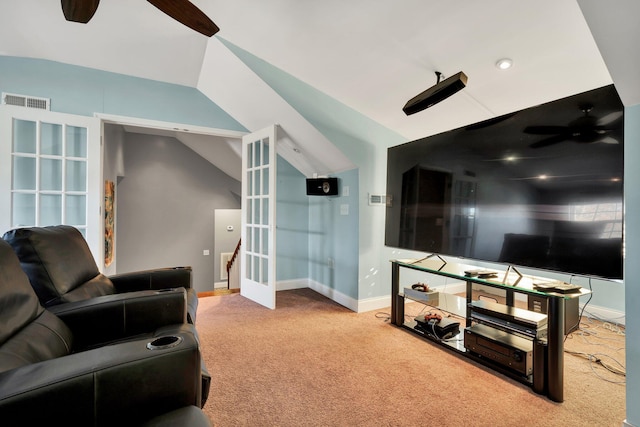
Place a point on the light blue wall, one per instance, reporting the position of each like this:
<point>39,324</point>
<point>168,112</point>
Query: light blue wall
<point>631,264</point>
<point>317,236</point>
<point>333,237</point>
<point>85,91</point>
<point>292,224</point>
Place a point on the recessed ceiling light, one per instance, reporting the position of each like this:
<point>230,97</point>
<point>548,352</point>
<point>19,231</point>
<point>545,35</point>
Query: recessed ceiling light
<point>504,63</point>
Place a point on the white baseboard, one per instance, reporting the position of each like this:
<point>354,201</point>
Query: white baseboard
<point>332,294</point>
<point>218,285</point>
<point>604,314</point>
<point>287,285</point>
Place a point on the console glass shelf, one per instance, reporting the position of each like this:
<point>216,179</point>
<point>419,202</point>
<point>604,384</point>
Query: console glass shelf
<point>547,373</point>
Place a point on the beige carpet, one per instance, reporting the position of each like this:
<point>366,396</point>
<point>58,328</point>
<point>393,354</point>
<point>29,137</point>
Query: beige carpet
<point>312,362</point>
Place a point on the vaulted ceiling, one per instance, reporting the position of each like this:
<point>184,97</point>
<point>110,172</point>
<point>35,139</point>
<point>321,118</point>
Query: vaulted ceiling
<point>371,56</point>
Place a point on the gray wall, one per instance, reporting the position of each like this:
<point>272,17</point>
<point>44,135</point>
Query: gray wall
<point>165,207</point>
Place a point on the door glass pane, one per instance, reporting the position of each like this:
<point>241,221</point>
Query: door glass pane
<point>249,211</point>
<point>265,152</point>
<point>256,211</point>
<point>249,238</point>
<point>51,139</point>
<point>256,240</point>
<point>24,136</point>
<point>76,175</point>
<point>256,184</point>
<point>250,155</point>
<point>75,209</point>
<point>50,174</point>
<point>24,210</point>
<point>248,268</point>
<point>256,269</point>
<point>249,182</point>
<point>50,209</point>
<point>76,142</point>
<point>265,181</point>
<point>256,154</point>
<point>265,241</point>
<point>24,173</point>
<point>265,211</point>
<point>265,271</point>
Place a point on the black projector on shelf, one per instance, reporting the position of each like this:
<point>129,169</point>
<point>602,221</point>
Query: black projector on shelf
<point>433,95</point>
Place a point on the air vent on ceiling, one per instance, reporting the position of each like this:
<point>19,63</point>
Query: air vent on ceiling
<point>26,101</point>
<point>379,200</point>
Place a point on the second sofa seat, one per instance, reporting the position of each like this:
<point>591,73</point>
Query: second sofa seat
<point>61,269</point>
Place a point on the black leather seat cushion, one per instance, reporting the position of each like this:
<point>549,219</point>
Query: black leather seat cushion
<point>62,269</point>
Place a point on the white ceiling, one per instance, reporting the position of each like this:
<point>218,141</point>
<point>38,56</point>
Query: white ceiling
<point>372,55</point>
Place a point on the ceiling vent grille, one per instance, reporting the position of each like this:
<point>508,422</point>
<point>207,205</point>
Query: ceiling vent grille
<point>26,101</point>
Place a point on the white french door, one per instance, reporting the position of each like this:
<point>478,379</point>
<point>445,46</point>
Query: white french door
<point>257,260</point>
<point>51,173</point>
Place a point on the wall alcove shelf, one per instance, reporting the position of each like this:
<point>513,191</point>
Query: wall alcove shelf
<point>494,333</point>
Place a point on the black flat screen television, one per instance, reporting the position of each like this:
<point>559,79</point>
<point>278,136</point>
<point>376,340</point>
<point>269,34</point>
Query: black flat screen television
<point>540,188</point>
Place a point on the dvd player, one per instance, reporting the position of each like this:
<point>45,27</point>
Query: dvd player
<point>508,316</point>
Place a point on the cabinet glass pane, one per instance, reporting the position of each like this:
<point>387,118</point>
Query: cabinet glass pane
<point>51,139</point>
<point>24,173</point>
<point>24,136</point>
<point>24,210</point>
<point>50,209</point>
<point>50,174</point>
<point>76,142</point>
<point>75,208</point>
<point>76,175</point>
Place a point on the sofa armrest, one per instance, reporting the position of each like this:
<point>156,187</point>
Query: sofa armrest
<point>113,317</point>
<point>159,278</point>
<point>122,384</point>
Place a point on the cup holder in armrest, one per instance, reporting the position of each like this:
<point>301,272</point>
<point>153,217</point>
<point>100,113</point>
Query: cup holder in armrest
<point>162,343</point>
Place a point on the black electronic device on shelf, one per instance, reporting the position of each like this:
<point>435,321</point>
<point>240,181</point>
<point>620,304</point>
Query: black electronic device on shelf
<point>437,326</point>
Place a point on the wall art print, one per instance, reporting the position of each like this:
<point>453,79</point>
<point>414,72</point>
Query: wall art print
<point>109,202</point>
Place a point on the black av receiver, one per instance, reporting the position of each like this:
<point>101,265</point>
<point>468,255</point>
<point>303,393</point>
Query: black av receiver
<point>503,348</point>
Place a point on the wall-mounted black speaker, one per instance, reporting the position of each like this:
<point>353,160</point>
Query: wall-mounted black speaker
<point>322,186</point>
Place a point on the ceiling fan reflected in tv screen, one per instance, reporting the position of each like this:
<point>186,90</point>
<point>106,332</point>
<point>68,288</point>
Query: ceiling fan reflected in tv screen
<point>540,187</point>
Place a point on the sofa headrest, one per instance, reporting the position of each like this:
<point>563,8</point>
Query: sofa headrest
<point>56,259</point>
<point>19,304</point>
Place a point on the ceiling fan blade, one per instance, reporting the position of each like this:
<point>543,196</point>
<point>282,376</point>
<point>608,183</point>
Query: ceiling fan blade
<point>188,14</point>
<point>609,140</point>
<point>545,130</point>
<point>549,141</point>
<point>79,10</point>
<point>609,118</point>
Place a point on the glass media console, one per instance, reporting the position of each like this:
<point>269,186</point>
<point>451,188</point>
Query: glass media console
<point>522,344</point>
